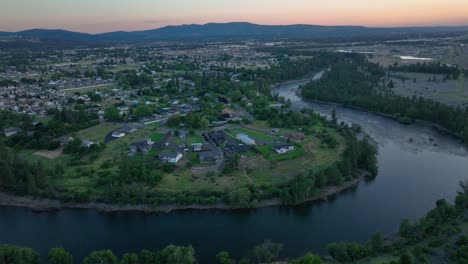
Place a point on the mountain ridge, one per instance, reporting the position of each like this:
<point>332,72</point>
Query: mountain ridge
<point>227,30</point>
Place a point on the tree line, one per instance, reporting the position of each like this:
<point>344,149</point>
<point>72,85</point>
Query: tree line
<point>430,68</point>
<point>265,252</point>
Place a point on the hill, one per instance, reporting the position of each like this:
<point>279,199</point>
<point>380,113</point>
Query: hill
<point>234,30</point>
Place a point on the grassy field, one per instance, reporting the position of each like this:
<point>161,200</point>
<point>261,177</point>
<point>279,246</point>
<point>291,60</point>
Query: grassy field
<point>191,139</point>
<point>156,137</point>
<point>451,92</point>
<point>267,169</point>
<point>97,133</point>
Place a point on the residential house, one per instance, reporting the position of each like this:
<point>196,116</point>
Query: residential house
<point>141,147</point>
<point>65,140</point>
<point>282,148</point>
<point>183,134</point>
<point>118,134</point>
<point>87,143</point>
<point>237,149</point>
<point>10,131</point>
<point>197,147</point>
<point>217,137</point>
<point>213,155</point>
<point>128,129</point>
<point>296,136</point>
<point>170,156</point>
<point>123,110</point>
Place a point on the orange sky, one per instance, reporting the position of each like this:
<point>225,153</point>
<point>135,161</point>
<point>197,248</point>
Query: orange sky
<point>109,15</point>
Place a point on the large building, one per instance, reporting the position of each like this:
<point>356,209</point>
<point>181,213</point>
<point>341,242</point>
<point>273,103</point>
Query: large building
<point>245,139</point>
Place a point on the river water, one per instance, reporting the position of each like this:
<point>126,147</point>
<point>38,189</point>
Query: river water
<point>417,166</point>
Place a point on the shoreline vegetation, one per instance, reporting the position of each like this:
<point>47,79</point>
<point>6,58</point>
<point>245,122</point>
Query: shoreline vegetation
<point>50,205</point>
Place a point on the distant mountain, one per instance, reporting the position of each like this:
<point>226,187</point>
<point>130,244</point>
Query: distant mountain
<point>235,30</point>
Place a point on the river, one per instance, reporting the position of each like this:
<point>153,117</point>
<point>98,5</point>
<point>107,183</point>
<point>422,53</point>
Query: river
<point>413,174</point>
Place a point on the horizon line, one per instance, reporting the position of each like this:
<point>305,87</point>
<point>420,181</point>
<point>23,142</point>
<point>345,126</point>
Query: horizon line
<point>234,22</point>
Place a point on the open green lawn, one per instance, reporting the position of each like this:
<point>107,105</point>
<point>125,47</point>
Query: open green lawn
<point>121,146</point>
<point>97,133</point>
<point>156,137</point>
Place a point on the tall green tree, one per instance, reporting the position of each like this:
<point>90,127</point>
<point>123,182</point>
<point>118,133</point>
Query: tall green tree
<point>101,257</point>
<point>59,256</point>
<point>223,258</point>
<point>112,113</point>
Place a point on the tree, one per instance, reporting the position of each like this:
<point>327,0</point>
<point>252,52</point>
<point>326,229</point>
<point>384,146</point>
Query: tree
<point>18,255</point>
<point>309,259</point>
<point>223,258</point>
<point>406,229</point>
<point>59,256</point>
<point>333,115</point>
<point>148,257</point>
<point>142,110</point>
<point>265,252</point>
<point>406,258</point>
<point>462,254</point>
<point>101,257</point>
<point>240,197</point>
<point>129,258</point>
<point>178,255</point>
<point>376,243</point>
<point>112,113</point>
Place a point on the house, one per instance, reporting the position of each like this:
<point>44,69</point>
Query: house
<point>10,131</point>
<point>123,110</point>
<point>128,129</point>
<point>141,147</point>
<point>101,114</point>
<point>236,149</point>
<point>197,147</point>
<point>218,123</point>
<point>217,137</point>
<point>182,134</point>
<point>118,134</point>
<point>65,140</point>
<point>214,155</point>
<point>282,148</point>
<point>170,156</point>
<point>296,136</point>
<point>277,106</point>
<point>245,139</point>
<point>87,143</point>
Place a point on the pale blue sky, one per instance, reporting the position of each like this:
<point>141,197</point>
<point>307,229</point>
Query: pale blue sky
<point>109,15</point>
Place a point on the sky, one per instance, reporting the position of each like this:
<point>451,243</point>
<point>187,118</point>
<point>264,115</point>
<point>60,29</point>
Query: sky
<point>96,16</point>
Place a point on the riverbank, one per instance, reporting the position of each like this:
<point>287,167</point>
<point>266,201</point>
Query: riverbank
<point>51,205</point>
<point>439,128</point>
